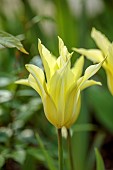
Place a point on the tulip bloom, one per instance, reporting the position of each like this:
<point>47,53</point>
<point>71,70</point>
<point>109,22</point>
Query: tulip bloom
<point>60,86</point>
<point>95,55</point>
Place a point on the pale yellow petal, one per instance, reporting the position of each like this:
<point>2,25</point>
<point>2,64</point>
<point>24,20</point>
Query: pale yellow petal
<point>50,110</point>
<point>63,51</point>
<point>91,70</point>
<point>23,82</point>
<point>78,67</point>
<point>64,54</point>
<point>72,107</point>
<point>101,40</point>
<point>57,88</point>
<point>34,84</point>
<point>94,55</point>
<point>76,113</point>
<point>39,77</point>
<point>60,62</point>
<point>110,81</point>
<point>89,83</point>
<point>48,60</point>
<point>110,55</point>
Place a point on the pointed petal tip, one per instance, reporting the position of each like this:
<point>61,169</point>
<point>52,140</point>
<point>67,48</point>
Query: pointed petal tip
<point>74,48</point>
<point>22,81</point>
<point>16,82</point>
<point>23,51</point>
<point>29,65</point>
<point>59,38</point>
<point>99,83</point>
<point>39,41</point>
<point>26,65</point>
<point>79,50</point>
<point>93,30</point>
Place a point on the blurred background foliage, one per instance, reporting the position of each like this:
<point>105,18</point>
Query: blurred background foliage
<point>21,110</point>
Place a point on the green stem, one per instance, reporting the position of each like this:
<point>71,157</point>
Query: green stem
<point>60,150</point>
<point>70,149</point>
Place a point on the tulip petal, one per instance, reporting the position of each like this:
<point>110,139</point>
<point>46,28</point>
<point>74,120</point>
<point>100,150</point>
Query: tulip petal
<point>89,83</point>
<point>76,113</point>
<point>60,62</point>
<point>48,60</point>
<point>78,67</point>
<point>110,81</point>
<point>91,70</point>
<point>110,55</point>
<point>72,107</point>
<point>38,75</point>
<point>23,81</point>
<point>33,83</point>
<point>101,40</point>
<point>50,110</point>
<point>63,51</point>
<point>64,54</point>
<point>92,54</point>
<point>57,88</point>
<point>64,77</point>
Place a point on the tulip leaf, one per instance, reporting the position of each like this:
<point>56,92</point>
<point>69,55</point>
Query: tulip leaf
<point>5,95</point>
<point>97,143</point>
<point>99,161</point>
<point>18,155</point>
<point>80,129</point>
<point>84,127</point>
<point>101,102</point>
<point>45,153</point>
<point>2,161</point>
<point>10,41</point>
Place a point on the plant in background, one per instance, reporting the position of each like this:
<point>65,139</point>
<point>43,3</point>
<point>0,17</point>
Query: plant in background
<point>95,55</point>
<point>60,88</point>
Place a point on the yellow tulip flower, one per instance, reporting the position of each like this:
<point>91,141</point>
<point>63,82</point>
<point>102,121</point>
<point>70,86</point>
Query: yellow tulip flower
<point>96,55</point>
<point>61,85</point>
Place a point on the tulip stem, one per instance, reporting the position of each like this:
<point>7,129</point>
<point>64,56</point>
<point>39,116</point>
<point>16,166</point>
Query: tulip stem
<point>70,149</point>
<point>60,150</point>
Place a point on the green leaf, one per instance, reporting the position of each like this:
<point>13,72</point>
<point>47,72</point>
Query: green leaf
<point>84,127</point>
<point>5,95</point>
<point>36,153</point>
<point>101,102</point>
<point>80,148</point>
<point>10,41</point>
<point>25,113</point>
<point>18,155</point>
<point>2,161</point>
<point>5,81</point>
<point>98,141</point>
<point>99,161</point>
<point>46,154</point>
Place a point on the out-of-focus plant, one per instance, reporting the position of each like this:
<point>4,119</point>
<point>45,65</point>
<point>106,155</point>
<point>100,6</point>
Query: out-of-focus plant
<point>99,161</point>
<point>10,41</point>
